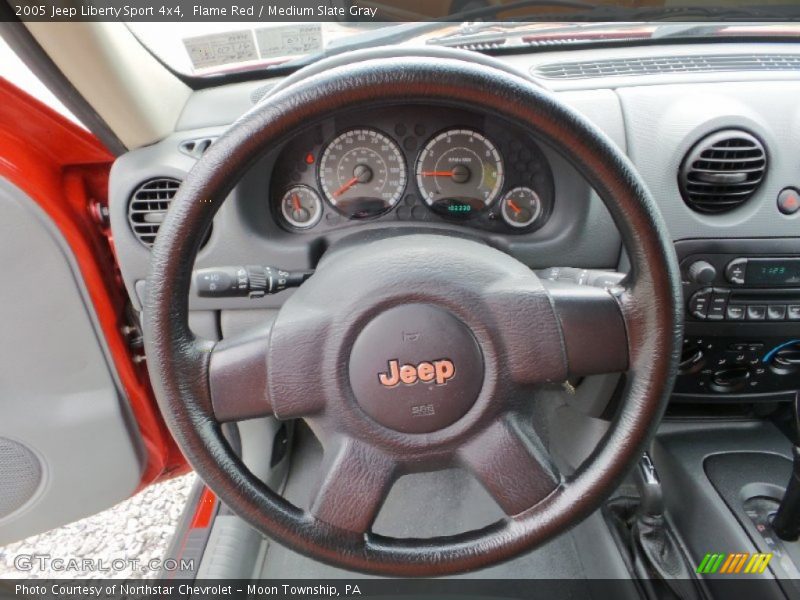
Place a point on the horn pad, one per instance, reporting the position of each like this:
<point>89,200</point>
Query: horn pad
<point>416,368</point>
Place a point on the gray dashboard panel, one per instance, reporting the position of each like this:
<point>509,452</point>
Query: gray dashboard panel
<point>580,231</point>
<point>654,118</point>
<point>663,122</point>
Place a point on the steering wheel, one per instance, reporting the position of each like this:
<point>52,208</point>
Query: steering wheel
<point>407,353</point>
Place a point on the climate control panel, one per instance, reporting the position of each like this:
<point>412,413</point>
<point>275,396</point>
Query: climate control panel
<point>747,369</point>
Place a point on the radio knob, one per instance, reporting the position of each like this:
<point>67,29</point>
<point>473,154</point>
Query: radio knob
<point>702,272</point>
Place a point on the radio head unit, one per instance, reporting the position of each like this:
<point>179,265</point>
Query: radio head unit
<point>742,325</point>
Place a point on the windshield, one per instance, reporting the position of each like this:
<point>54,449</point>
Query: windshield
<point>203,49</point>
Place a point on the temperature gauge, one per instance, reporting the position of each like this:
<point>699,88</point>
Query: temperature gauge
<point>301,207</point>
<point>520,207</point>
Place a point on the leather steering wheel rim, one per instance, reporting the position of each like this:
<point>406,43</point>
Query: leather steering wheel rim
<point>651,305</point>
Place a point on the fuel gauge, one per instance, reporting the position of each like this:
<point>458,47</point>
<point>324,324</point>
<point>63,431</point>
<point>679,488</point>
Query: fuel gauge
<point>520,207</point>
<point>301,207</point>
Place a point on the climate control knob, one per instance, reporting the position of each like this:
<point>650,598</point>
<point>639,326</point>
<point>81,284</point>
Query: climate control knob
<point>692,358</point>
<point>702,272</point>
<point>730,380</point>
<point>786,360</point>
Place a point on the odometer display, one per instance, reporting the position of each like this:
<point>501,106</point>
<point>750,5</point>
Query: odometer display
<point>362,173</point>
<point>459,173</point>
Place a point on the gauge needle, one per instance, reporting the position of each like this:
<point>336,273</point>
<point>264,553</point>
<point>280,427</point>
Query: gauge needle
<point>296,202</point>
<point>346,187</point>
<point>514,207</point>
<point>437,173</point>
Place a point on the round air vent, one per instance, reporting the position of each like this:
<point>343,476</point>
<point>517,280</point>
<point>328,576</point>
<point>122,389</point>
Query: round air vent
<point>148,207</point>
<point>722,171</point>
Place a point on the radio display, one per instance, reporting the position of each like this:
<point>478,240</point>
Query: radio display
<point>773,272</point>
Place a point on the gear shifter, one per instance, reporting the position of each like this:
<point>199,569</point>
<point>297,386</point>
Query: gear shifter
<point>657,555</point>
<point>649,486</point>
<point>787,520</point>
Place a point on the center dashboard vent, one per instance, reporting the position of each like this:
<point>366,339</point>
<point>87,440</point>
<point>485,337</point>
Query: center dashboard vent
<point>148,207</point>
<point>722,171</point>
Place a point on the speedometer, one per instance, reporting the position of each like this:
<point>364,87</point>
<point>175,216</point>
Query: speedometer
<point>362,173</point>
<point>459,172</point>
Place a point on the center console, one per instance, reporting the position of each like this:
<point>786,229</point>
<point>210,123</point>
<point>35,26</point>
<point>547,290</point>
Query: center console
<point>723,480</point>
<point>725,474</point>
<point>742,334</point>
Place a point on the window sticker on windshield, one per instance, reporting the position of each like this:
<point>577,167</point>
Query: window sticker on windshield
<point>218,49</point>
<point>289,40</point>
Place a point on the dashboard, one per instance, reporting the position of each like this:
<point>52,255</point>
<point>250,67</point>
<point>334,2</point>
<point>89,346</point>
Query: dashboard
<point>717,150</point>
<point>413,164</point>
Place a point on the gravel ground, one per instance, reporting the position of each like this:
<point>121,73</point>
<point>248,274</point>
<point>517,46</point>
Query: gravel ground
<point>139,528</point>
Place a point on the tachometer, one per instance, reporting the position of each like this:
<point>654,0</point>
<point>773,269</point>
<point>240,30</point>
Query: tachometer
<point>362,173</point>
<point>459,172</point>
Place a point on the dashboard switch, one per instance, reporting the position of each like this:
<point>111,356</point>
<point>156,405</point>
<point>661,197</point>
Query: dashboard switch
<point>776,312</point>
<point>698,305</point>
<point>735,312</point>
<point>717,307</point>
<point>735,271</point>
<point>757,312</point>
<point>789,201</point>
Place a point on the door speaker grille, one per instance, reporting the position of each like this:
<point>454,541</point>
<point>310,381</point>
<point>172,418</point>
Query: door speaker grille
<point>20,476</point>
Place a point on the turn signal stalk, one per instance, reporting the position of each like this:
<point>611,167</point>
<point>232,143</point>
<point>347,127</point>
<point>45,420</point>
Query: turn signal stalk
<point>246,281</point>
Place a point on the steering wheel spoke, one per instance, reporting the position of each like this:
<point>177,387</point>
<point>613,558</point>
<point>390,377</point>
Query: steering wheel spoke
<point>593,329</point>
<point>523,317</point>
<point>510,462</point>
<point>237,377</point>
<point>353,483</point>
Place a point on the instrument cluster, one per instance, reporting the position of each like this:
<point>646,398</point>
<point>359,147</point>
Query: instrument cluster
<point>413,164</point>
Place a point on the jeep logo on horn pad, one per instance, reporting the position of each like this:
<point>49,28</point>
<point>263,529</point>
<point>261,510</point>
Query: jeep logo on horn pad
<point>419,382</point>
<point>439,371</point>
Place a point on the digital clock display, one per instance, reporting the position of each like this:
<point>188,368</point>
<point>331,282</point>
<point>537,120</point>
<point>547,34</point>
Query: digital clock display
<point>773,271</point>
